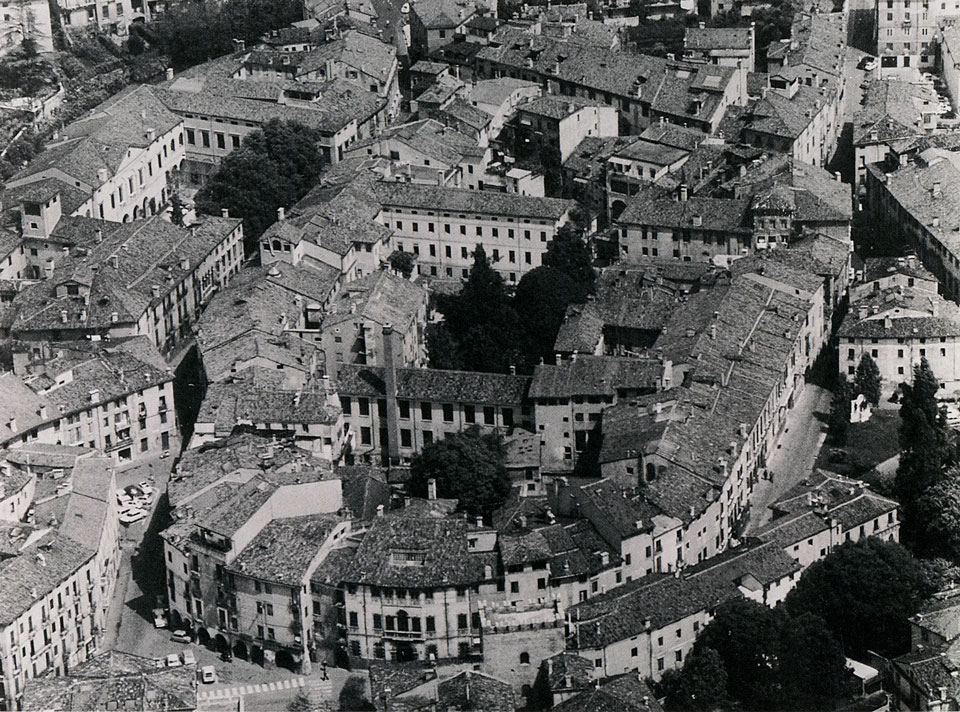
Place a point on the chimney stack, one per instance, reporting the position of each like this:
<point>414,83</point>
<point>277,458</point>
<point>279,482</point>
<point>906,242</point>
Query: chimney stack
<point>224,212</point>
<point>431,489</point>
<point>281,213</point>
<point>390,360</point>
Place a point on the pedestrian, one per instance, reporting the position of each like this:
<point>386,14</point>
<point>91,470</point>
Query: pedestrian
<point>323,668</point>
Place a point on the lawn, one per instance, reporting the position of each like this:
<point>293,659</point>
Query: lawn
<point>868,444</point>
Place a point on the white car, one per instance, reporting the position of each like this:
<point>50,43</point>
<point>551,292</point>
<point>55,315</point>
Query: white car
<point>131,515</point>
<point>159,618</point>
<point>173,660</point>
<point>188,657</point>
<point>146,488</point>
<point>870,65</point>
<point>208,674</point>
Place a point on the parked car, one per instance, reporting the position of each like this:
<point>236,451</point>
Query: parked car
<point>208,674</point>
<point>146,488</point>
<point>871,65</point>
<point>173,660</point>
<point>159,618</point>
<point>188,657</point>
<point>180,636</point>
<point>130,515</point>
<point>226,655</point>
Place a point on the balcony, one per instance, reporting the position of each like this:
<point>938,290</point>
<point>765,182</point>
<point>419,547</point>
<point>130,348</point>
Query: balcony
<point>404,634</point>
<point>119,445</point>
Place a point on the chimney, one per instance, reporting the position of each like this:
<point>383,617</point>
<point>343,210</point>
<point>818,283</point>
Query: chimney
<point>12,424</point>
<point>102,175</point>
<point>43,412</point>
<point>479,521</point>
<point>94,394</point>
<point>224,212</point>
<point>151,135</point>
<point>431,489</point>
<point>487,572</point>
<point>155,291</point>
<point>63,316</point>
<point>379,510</point>
<point>391,357</point>
<point>114,261</point>
<point>440,178</point>
<point>281,213</point>
<point>937,189</point>
<point>169,73</point>
<point>185,264</point>
<point>683,192</point>
<point>99,234</point>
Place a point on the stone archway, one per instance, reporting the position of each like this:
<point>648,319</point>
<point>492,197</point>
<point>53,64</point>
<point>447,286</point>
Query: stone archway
<point>203,636</point>
<point>240,650</point>
<point>221,643</point>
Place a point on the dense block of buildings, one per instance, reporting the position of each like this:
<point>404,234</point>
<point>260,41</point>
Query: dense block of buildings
<point>728,46</point>
<point>443,226</point>
<point>143,278</point>
<point>553,126</point>
<point>116,398</point>
<point>642,88</point>
<point>916,201</point>
<point>59,572</point>
<point>898,327</point>
<point>252,522</point>
<point>115,163</point>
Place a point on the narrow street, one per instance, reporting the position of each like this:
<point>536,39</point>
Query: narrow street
<point>800,443</point>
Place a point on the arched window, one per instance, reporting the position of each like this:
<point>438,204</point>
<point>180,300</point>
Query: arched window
<point>651,472</point>
<point>276,246</point>
<point>524,658</point>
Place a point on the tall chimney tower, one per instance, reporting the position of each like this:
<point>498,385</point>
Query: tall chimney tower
<point>390,386</point>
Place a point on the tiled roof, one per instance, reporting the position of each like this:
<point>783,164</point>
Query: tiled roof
<point>113,370</point>
<point>429,137</point>
<point>284,549</point>
<point>668,86</point>
<point>102,138</point>
<point>417,552</point>
<point>627,693</point>
<point>467,114</point>
<point>783,116</point>
<point>217,95</point>
<point>653,207</point>
<point>475,690</point>
<point>440,14</point>
<point>880,267</point>
<point>149,253</point>
<point>229,405</point>
<point>566,671</point>
<point>238,458</point>
<point>71,197</point>
<point>595,375</point>
<point>442,199</point>
<point>115,680</point>
<point>901,313</point>
<point>629,429</point>
<point>381,297</point>
<point>435,385</point>
<point>661,600</point>
<point>892,109</point>
<point>718,38</point>
<point>552,106</point>
<point>495,92</point>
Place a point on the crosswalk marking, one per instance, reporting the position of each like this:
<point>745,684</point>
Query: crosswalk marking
<point>323,686</point>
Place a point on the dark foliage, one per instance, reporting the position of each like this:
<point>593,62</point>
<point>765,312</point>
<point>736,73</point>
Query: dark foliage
<point>864,591</point>
<point>467,466</point>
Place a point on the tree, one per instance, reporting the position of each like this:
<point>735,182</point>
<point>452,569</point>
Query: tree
<point>867,380</point>
<point>701,684</point>
<point>480,322</point>
<point>303,703</point>
<point>176,210</point>
<point>402,263</point>
<point>568,253</point>
<point>938,511</point>
<point>840,411</point>
<point>468,466</point>
<point>541,301</point>
<point>274,168</point>
<point>746,636</point>
<point>353,695</point>
<point>813,669</point>
<point>864,591</point>
<point>924,450</point>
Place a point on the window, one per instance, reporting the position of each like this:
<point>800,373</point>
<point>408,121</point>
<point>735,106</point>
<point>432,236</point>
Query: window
<point>431,624</point>
<point>448,412</point>
<point>469,414</point>
<point>514,587</point>
<point>354,622</point>
<point>462,621</point>
<point>524,658</point>
<point>426,411</point>
<point>679,656</point>
<point>377,621</point>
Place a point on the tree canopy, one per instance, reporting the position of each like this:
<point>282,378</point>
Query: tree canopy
<point>924,452</point>
<point>840,410</point>
<point>467,466</point>
<point>812,667</point>
<point>938,508</point>
<point>864,591</point>
<point>700,685</point>
<point>273,168</point>
<point>569,253</point>
<point>868,380</point>
<point>402,262</point>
